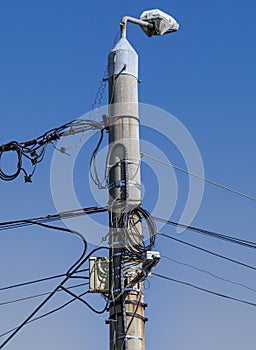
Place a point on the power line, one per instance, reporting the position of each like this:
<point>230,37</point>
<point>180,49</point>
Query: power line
<point>34,149</point>
<point>48,313</point>
<point>8,225</point>
<point>204,289</point>
<point>79,262</point>
<point>39,295</point>
<point>200,177</point>
<point>209,273</point>
<point>73,269</point>
<point>208,251</point>
<point>44,315</point>
<point>37,280</point>
<point>230,239</point>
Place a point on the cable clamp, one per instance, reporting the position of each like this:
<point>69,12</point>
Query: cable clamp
<point>130,337</point>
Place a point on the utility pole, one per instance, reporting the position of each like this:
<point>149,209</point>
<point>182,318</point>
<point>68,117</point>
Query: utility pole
<point>125,194</point>
<point>126,315</point>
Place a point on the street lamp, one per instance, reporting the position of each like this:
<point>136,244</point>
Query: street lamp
<point>126,313</point>
<point>153,22</point>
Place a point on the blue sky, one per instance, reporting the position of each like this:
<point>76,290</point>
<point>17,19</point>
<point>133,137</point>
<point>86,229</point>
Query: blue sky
<point>53,57</point>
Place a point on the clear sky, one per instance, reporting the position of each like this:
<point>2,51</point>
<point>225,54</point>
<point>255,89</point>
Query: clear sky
<point>53,57</point>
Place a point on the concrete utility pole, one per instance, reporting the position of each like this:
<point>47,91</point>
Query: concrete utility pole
<point>126,317</point>
<point>125,194</point>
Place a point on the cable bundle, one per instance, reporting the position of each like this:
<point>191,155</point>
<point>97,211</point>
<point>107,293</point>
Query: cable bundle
<point>34,150</point>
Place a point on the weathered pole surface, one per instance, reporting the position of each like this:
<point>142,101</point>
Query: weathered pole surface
<point>126,316</point>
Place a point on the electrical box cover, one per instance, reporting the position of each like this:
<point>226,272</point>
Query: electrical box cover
<point>99,275</point>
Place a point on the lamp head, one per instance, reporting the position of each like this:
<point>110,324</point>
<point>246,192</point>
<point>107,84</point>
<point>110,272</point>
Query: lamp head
<point>161,23</point>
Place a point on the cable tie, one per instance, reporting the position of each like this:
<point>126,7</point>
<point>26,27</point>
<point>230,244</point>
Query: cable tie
<point>28,178</point>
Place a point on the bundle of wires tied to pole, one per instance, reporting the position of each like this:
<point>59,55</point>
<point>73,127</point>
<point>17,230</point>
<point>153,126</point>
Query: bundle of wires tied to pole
<point>134,231</point>
<point>134,234</point>
<point>34,150</point>
<point>137,234</point>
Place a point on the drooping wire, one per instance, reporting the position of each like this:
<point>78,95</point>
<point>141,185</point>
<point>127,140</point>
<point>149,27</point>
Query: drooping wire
<point>69,273</point>
<point>74,268</point>
<point>209,273</point>
<point>208,251</point>
<point>200,177</point>
<point>37,280</point>
<point>225,296</point>
<point>131,236</point>
<point>7,225</point>
<point>93,165</point>
<point>29,297</point>
<point>230,239</point>
<point>46,314</point>
<point>34,150</point>
<point>68,291</point>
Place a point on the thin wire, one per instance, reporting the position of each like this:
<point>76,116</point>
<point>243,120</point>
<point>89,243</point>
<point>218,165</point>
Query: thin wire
<point>93,166</point>
<point>39,295</point>
<point>200,177</point>
<point>209,273</point>
<point>34,150</point>
<point>204,290</point>
<point>38,280</point>
<point>208,251</point>
<point>69,273</point>
<point>230,239</point>
<point>44,315</point>
<point>8,225</point>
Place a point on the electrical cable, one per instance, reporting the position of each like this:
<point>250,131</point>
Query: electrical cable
<point>64,229</point>
<point>204,289</point>
<point>38,280</point>
<point>208,251</point>
<point>29,297</point>
<point>79,262</point>
<point>230,239</point>
<point>34,150</point>
<point>201,178</point>
<point>94,176</point>
<point>85,302</point>
<point>130,236</point>
<point>209,273</point>
<point>131,320</point>
<point>49,218</point>
<point>44,315</point>
<point>69,273</point>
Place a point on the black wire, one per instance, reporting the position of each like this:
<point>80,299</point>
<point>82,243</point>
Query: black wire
<point>94,176</point>
<point>131,320</point>
<point>205,290</point>
<point>44,315</point>
<point>69,273</point>
<point>15,147</point>
<point>75,268</point>
<point>37,281</point>
<point>34,150</point>
<point>8,225</point>
<point>38,295</point>
<point>64,229</point>
<point>133,241</point>
<point>209,273</point>
<point>230,239</point>
<point>85,302</point>
<point>208,251</point>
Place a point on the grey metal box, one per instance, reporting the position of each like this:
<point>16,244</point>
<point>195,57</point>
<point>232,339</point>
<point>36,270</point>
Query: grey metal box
<point>99,275</point>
